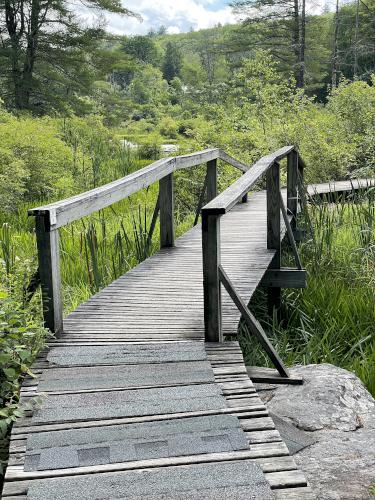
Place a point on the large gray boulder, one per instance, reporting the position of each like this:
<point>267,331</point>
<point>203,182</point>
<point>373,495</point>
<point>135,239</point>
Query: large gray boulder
<point>334,409</point>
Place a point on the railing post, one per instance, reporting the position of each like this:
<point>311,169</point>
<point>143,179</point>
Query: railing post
<point>273,230</point>
<point>211,280</point>
<point>49,269</point>
<point>292,185</point>
<point>244,197</point>
<point>166,198</point>
<point>211,180</point>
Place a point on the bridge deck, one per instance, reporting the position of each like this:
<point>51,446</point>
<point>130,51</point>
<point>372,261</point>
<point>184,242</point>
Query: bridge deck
<point>136,406</point>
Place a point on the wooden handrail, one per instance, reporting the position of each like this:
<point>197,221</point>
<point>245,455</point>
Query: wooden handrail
<point>212,271</point>
<point>232,195</point>
<point>63,212</point>
<point>49,218</point>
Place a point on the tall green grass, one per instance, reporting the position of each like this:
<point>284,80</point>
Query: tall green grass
<point>333,319</point>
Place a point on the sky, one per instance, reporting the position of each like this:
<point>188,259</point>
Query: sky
<point>178,16</point>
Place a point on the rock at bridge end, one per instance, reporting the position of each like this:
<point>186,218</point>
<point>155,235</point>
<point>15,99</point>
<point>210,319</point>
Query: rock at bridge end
<point>337,415</point>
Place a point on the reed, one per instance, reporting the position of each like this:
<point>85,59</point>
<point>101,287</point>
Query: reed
<point>332,320</point>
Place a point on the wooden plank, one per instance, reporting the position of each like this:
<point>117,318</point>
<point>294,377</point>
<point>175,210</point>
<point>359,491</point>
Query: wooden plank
<point>200,201</point>
<point>15,474</point>
<point>211,282</point>
<point>290,234</point>
<point>303,493</point>
<point>285,479</point>
<point>166,201</point>
<point>76,207</point>
<point>226,200</point>
<point>49,271</point>
<point>254,326</point>
<point>211,180</point>
<point>270,376</point>
<point>232,161</point>
<point>274,232</point>
<point>284,278</point>
<point>155,216</point>
<point>292,185</point>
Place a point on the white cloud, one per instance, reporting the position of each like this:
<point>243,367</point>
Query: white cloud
<point>176,15</point>
<point>173,30</point>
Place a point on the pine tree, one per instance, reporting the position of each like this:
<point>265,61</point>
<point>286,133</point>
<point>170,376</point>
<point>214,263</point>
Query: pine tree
<point>43,45</point>
<point>283,26</point>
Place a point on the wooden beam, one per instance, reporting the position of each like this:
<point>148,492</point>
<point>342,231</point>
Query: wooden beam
<point>234,193</point>
<point>166,201</point>
<point>274,232</point>
<point>49,272</point>
<point>290,233</point>
<point>211,180</point>
<point>284,278</point>
<point>211,281</point>
<point>270,376</point>
<point>155,216</point>
<point>292,185</point>
<point>253,324</point>
<point>200,201</point>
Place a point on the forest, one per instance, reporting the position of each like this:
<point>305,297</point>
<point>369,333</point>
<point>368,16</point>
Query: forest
<point>80,107</point>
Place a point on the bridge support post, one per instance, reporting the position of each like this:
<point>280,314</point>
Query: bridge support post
<point>211,180</point>
<point>49,270</point>
<point>211,280</point>
<point>292,184</point>
<point>274,231</point>
<point>166,200</point>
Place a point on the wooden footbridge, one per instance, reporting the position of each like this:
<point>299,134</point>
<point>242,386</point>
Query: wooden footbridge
<point>135,404</point>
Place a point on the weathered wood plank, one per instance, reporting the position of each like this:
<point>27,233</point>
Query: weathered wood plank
<point>292,185</point>
<point>211,282</point>
<point>49,271</point>
<point>255,327</point>
<point>166,202</point>
<point>274,232</point>
<point>284,278</point>
<point>226,200</point>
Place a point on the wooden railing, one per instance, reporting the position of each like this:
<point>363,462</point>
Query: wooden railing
<point>213,273</point>
<point>49,218</point>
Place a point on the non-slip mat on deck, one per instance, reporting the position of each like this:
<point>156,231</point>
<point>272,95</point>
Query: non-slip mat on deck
<point>131,394</point>
<point>219,481</point>
<point>130,442</point>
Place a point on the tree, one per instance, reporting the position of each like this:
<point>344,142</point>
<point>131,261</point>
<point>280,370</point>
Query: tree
<point>283,27</point>
<point>44,45</point>
<point>335,61</point>
<point>356,40</point>
<point>172,63</point>
<point>141,48</point>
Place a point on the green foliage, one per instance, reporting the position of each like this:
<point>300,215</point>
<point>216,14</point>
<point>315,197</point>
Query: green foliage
<point>141,48</point>
<point>35,162</point>
<point>21,333</point>
<point>46,53</point>
<point>148,87</point>
<point>172,63</point>
<point>332,320</point>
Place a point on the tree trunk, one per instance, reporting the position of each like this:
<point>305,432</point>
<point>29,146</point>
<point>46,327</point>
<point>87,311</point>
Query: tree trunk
<point>301,79</point>
<point>335,47</point>
<point>31,51</point>
<point>15,25</point>
<point>355,65</point>
<point>296,40</point>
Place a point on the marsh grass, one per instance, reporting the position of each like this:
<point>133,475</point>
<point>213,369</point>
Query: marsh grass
<point>333,319</point>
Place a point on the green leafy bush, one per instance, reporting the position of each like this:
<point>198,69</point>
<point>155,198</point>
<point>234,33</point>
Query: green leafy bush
<point>21,334</point>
